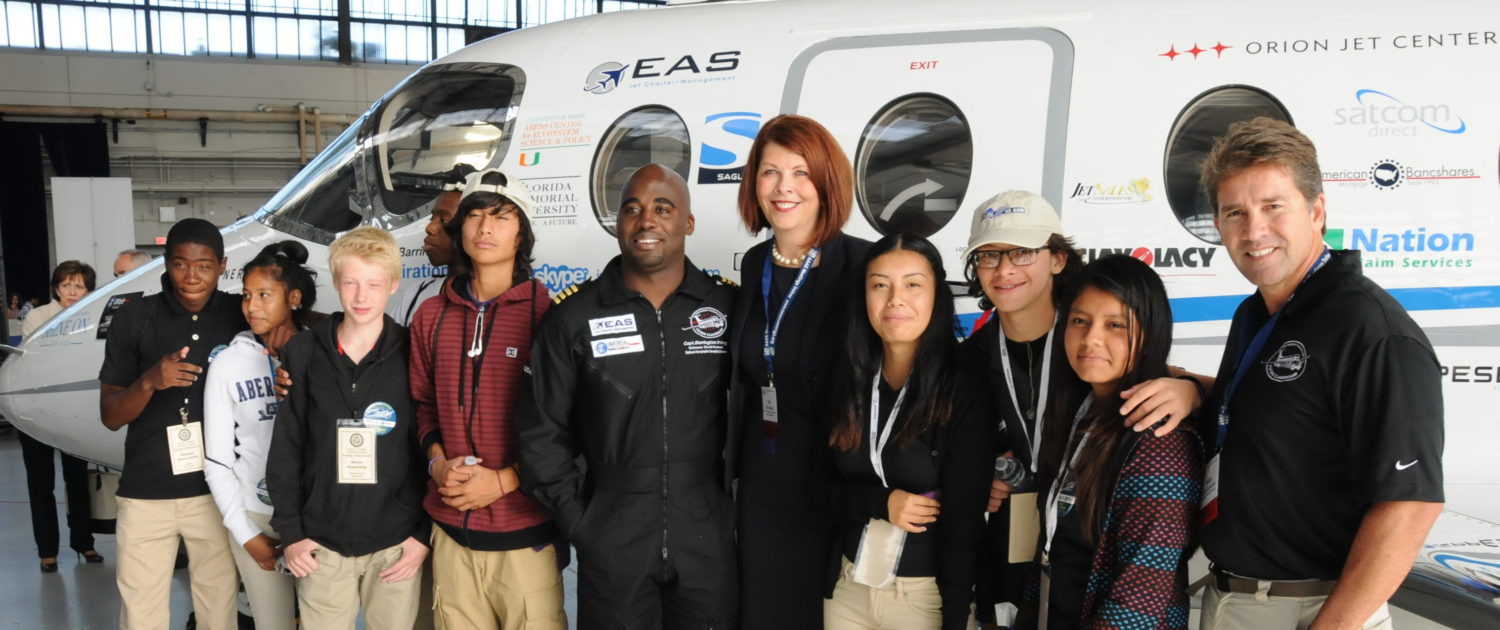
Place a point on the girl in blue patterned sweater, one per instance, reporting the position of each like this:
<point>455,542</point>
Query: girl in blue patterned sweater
<point>1120,517</point>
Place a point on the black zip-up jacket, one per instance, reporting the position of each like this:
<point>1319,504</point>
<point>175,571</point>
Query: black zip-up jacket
<point>630,388</point>
<point>302,467</point>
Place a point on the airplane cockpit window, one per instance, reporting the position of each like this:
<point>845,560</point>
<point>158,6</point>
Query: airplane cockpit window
<point>648,135</point>
<point>913,165</point>
<point>1204,119</point>
<point>388,168</point>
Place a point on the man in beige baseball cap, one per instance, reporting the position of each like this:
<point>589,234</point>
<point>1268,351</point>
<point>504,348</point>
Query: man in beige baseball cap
<point>1017,217</point>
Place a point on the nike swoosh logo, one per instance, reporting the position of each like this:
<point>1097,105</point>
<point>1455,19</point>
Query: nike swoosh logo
<point>1400,466</point>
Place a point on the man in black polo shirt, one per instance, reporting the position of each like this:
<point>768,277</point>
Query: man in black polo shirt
<point>1328,469</point>
<point>151,381</point>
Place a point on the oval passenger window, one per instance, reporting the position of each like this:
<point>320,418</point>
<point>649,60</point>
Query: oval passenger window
<point>913,165</point>
<point>647,135</point>
<point>1205,118</point>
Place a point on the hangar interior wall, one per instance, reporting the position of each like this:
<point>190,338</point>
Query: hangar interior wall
<point>238,166</point>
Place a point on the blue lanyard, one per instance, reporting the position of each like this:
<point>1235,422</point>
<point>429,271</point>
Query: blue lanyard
<point>769,336</point>
<point>1249,351</point>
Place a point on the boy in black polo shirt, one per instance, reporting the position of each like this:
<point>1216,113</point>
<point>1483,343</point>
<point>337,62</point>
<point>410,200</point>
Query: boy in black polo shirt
<point>152,381</point>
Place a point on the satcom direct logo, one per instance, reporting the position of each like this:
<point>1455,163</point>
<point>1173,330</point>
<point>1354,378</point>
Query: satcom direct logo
<point>721,155</point>
<point>1382,114</point>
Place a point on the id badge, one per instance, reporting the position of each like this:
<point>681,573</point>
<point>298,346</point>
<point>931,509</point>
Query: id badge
<point>878,555</point>
<point>185,443</point>
<point>356,456</point>
<point>1066,497</point>
<point>1025,525</point>
<point>768,411</point>
<point>1209,504</point>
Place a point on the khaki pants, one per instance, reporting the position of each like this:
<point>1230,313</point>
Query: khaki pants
<point>520,589</point>
<point>271,594</point>
<point>909,604</point>
<point>147,532</point>
<point>1247,611</point>
<point>333,595</point>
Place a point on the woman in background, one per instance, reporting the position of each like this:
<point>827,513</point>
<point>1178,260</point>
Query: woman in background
<point>71,280</point>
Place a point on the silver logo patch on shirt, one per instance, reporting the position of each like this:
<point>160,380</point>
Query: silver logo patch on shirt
<point>612,325</point>
<point>1288,363</point>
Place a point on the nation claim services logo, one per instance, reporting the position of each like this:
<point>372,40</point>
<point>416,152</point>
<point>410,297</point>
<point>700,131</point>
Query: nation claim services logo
<point>1405,249</point>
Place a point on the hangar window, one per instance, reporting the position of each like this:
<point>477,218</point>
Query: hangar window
<point>1205,118</point>
<point>913,165</point>
<point>647,135</point>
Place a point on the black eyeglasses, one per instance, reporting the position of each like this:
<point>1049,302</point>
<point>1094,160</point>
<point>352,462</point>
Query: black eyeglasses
<point>1019,256</point>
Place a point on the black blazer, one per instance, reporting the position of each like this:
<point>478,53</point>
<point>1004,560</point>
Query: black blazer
<point>843,256</point>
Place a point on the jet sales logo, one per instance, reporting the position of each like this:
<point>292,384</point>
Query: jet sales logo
<point>1134,191</point>
<point>1388,174</point>
<point>721,155</point>
<point>559,277</point>
<point>1406,249</point>
<point>1381,114</point>
<point>661,71</point>
<point>1161,257</point>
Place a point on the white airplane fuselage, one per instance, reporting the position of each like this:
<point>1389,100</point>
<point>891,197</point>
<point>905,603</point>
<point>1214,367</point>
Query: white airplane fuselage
<point>1103,108</point>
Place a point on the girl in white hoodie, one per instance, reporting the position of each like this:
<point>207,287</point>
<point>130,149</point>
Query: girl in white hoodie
<point>239,412</point>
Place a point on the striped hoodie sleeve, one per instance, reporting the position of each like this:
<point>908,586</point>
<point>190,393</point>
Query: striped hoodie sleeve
<point>1138,577</point>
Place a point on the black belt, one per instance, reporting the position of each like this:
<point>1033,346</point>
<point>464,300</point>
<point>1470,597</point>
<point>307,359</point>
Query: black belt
<point>1305,588</point>
<point>690,474</point>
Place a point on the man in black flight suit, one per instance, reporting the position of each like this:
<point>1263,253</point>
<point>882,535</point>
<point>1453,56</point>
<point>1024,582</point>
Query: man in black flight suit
<point>630,370</point>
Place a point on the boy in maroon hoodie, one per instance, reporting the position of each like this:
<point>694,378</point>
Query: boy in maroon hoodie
<point>494,565</point>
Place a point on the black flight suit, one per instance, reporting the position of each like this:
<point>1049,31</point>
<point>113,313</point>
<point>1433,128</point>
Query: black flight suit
<point>641,395</point>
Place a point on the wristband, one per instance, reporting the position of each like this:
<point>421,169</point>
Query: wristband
<point>431,462</point>
<point>1202,393</point>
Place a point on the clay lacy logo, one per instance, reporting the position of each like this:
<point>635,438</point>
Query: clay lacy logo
<point>708,322</point>
<point>1288,363</point>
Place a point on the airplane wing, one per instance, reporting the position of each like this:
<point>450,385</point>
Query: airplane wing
<point>1456,579</point>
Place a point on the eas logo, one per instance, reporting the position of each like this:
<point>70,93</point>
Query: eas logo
<point>559,277</point>
<point>607,76</point>
<point>721,154</point>
<point>604,77</point>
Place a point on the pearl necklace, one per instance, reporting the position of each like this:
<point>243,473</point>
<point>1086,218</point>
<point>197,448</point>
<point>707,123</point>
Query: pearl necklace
<point>785,261</point>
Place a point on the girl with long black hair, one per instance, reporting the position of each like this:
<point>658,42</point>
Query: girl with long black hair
<point>239,411</point>
<point>911,452</point>
<point>1120,507</point>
